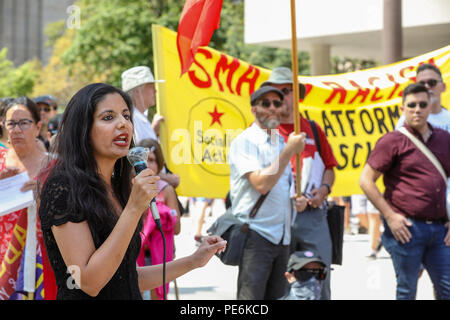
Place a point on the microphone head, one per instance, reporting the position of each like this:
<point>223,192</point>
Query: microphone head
<point>138,156</point>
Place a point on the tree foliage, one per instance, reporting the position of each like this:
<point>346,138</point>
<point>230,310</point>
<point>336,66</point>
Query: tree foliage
<point>347,64</point>
<point>16,81</point>
<point>116,35</point>
<point>57,78</point>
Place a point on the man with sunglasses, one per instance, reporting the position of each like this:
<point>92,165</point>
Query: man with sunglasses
<point>48,108</point>
<point>431,77</point>
<point>310,230</point>
<point>305,273</point>
<point>259,165</point>
<point>414,202</point>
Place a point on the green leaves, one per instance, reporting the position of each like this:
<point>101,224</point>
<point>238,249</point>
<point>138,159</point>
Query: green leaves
<point>18,81</point>
<point>116,35</point>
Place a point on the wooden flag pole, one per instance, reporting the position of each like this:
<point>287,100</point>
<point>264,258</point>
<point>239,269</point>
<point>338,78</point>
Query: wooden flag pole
<point>295,93</point>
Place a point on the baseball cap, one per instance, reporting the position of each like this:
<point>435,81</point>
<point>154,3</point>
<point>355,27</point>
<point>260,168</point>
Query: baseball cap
<point>137,76</point>
<point>47,99</point>
<point>299,259</point>
<point>258,94</point>
<point>282,75</point>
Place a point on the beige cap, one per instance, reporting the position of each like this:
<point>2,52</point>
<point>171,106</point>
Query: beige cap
<point>137,76</point>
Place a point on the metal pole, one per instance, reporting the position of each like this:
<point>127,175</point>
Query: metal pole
<point>295,92</point>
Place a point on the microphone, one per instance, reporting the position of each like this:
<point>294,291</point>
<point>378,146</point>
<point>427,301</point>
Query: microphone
<point>137,156</point>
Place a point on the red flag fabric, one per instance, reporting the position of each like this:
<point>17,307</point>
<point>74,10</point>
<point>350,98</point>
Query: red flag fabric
<point>198,21</point>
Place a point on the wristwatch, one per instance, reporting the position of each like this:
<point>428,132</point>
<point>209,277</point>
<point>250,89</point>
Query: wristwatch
<point>328,187</point>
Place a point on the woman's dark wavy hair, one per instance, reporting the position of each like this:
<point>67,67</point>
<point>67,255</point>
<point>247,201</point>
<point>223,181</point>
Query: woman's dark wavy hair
<point>76,162</point>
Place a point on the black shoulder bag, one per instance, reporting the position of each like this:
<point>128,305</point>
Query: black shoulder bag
<point>234,232</point>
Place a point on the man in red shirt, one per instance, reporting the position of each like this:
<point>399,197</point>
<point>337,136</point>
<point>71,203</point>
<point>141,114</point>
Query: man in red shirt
<point>310,230</point>
<point>414,201</point>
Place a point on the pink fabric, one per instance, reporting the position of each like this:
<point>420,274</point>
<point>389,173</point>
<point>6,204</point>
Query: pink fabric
<point>151,237</point>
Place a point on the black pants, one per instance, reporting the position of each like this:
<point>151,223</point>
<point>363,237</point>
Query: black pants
<point>261,271</point>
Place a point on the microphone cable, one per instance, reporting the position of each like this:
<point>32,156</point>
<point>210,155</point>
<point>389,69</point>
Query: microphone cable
<point>157,219</point>
<point>158,225</point>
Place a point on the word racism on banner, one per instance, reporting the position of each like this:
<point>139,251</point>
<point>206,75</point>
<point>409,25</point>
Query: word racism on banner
<point>212,106</point>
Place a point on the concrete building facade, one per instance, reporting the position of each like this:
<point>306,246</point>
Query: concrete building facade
<point>351,28</point>
<point>22,26</point>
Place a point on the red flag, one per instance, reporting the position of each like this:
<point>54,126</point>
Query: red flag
<point>198,21</point>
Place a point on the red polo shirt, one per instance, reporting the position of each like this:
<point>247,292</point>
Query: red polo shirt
<point>414,187</point>
<point>310,147</point>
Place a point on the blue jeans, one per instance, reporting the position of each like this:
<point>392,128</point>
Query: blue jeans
<point>426,246</point>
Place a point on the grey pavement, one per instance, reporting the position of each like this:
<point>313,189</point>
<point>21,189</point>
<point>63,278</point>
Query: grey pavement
<point>359,278</point>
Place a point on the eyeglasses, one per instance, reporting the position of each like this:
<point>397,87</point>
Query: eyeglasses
<point>266,103</point>
<point>422,104</point>
<point>430,82</point>
<point>286,91</point>
<point>306,274</point>
<point>24,124</point>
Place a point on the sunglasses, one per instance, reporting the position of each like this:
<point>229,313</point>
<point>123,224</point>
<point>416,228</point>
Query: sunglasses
<point>286,91</point>
<point>430,82</point>
<point>46,109</point>
<point>266,103</point>
<point>422,104</point>
<point>306,274</point>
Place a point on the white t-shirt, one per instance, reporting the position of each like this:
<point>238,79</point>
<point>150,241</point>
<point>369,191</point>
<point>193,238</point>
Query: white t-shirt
<point>438,120</point>
<point>142,127</point>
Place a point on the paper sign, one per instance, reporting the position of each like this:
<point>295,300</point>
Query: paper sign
<point>11,198</point>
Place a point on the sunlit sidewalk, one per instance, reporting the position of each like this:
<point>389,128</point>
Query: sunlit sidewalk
<point>359,278</point>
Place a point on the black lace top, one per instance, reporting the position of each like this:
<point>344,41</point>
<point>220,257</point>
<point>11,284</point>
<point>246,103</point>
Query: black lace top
<point>55,210</point>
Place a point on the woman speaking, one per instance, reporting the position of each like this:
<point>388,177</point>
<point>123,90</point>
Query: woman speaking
<point>91,208</point>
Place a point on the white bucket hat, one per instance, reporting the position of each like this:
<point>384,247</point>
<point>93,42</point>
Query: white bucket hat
<point>137,76</point>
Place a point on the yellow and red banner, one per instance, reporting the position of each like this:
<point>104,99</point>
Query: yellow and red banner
<point>210,104</point>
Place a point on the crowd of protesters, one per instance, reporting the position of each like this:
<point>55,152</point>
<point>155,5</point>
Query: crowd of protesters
<point>92,208</point>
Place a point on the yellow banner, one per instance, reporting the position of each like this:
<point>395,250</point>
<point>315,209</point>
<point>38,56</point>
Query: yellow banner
<point>209,105</point>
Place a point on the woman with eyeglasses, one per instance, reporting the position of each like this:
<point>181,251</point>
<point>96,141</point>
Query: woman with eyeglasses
<point>22,124</point>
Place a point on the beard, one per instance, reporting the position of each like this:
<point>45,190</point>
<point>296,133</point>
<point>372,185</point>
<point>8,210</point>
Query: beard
<point>271,123</point>
<point>433,99</point>
<point>268,123</point>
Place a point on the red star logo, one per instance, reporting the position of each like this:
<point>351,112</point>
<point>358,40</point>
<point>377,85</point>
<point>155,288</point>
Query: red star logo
<point>215,116</point>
